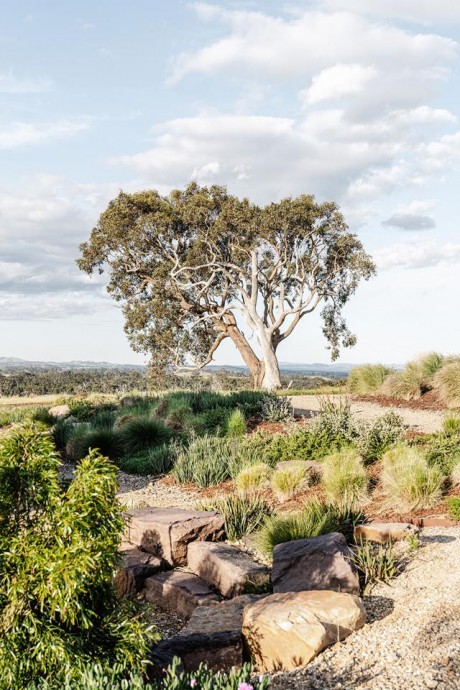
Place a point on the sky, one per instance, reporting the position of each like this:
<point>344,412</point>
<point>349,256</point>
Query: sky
<point>354,101</point>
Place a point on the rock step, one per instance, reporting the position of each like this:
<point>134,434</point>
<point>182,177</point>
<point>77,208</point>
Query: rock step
<point>383,532</point>
<point>227,568</point>
<point>318,563</point>
<point>135,567</point>
<point>286,631</point>
<point>212,635</point>
<point>166,532</point>
<point>179,591</point>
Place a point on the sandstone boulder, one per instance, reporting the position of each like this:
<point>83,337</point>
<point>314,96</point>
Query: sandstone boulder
<point>166,532</point>
<point>135,567</point>
<point>226,567</point>
<point>285,631</point>
<point>59,411</point>
<point>212,636</point>
<point>381,532</point>
<point>319,563</point>
<point>179,591</point>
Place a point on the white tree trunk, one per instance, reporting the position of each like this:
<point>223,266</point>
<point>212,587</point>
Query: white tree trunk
<point>271,378</point>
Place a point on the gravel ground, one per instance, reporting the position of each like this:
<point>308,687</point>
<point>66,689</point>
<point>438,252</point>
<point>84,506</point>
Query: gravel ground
<point>426,421</point>
<point>412,638</point>
<point>150,492</point>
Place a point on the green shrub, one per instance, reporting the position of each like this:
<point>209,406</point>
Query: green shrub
<point>206,461</point>
<point>287,481</point>
<point>42,415</point>
<point>253,477</point>
<point>367,378</point>
<point>243,513</point>
<point>180,418</point>
<point>451,424</point>
<point>154,461</point>
<point>315,519</point>
<point>61,433</point>
<point>302,444</point>
<point>447,383</point>
<point>374,438</point>
<point>443,450</point>
<point>453,507</point>
<point>142,433</point>
<point>376,563</point>
<point>100,678</point>
<point>58,552</point>
<point>408,481</point>
<point>276,408</point>
<point>334,423</point>
<point>108,441</point>
<point>103,420</point>
<point>211,421</point>
<point>236,424</point>
<point>344,478</point>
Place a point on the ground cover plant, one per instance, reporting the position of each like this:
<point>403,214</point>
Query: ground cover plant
<point>58,552</point>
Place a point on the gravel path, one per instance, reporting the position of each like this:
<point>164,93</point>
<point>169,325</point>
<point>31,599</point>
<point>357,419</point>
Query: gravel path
<point>426,421</point>
<point>412,638</point>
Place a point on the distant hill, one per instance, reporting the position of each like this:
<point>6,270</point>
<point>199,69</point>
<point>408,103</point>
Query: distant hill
<point>16,364</point>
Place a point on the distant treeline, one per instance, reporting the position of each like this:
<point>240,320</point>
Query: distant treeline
<point>84,381</point>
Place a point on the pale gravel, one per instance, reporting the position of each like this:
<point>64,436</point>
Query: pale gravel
<point>426,421</point>
<point>412,638</point>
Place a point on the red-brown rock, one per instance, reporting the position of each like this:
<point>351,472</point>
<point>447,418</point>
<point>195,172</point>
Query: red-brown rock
<point>179,591</point>
<point>135,567</point>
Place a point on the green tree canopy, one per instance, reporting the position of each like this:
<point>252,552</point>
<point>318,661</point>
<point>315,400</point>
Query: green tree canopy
<point>200,265</point>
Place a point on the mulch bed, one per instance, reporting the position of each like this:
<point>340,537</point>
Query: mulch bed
<point>428,401</point>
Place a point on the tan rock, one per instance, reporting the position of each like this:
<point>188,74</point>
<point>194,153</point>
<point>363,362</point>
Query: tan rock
<point>166,532</point>
<point>319,563</point>
<point>383,532</point>
<point>59,411</point>
<point>226,567</point>
<point>135,567</point>
<point>179,591</point>
<point>286,631</point>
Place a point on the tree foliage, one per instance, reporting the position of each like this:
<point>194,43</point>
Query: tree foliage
<point>58,554</point>
<point>193,267</point>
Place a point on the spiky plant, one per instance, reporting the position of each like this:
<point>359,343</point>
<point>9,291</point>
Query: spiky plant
<point>367,378</point>
<point>447,383</point>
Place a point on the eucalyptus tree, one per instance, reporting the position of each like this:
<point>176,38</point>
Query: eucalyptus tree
<point>199,266</point>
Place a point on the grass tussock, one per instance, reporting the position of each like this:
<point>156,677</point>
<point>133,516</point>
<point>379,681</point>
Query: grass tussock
<point>344,478</point>
<point>409,481</point>
<point>142,433</point>
<point>287,481</point>
<point>253,477</point>
<point>447,382</point>
<point>367,378</point>
<point>243,513</point>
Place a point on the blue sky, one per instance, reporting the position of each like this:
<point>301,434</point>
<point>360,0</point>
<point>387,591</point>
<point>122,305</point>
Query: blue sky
<point>356,101</point>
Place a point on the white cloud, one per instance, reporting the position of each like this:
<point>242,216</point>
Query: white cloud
<point>417,254</point>
<point>26,134</point>
<point>420,11</point>
<point>9,83</point>
<point>337,81</point>
<point>280,48</point>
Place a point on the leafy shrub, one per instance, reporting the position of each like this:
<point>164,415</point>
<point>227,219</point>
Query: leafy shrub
<point>447,383</point>
<point>42,415</point>
<point>315,519</point>
<point>334,423</point>
<point>374,438</point>
<point>243,513</point>
<point>287,481</point>
<point>453,507</point>
<point>376,563</point>
<point>367,378</point>
<point>58,610</point>
<point>302,444</point>
<point>408,481</point>
<point>236,424</point>
<point>141,433</point>
<point>344,478</point>
<point>253,477</point>
<point>99,678</point>
<point>180,418</point>
<point>154,461</point>
<point>108,441</point>
<point>276,408</point>
<point>211,421</point>
<point>443,451</point>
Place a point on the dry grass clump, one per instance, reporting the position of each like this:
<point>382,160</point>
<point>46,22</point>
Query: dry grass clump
<point>345,478</point>
<point>416,378</point>
<point>447,382</point>
<point>287,481</point>
<point>455,475</point>
<point>408,481</point>
<point>253,477</point>
<point>367,378</point>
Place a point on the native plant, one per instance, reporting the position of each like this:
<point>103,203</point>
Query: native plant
<point>409,481</point>
<point>253,477</point>
<point>375,563</point>
<point>58,553</point>
<point>344,477</point>
<point>243,513</point>
<point>447,382</point>
<point>288,480</point>
<point>367,378</point>
<point>276,408</point>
